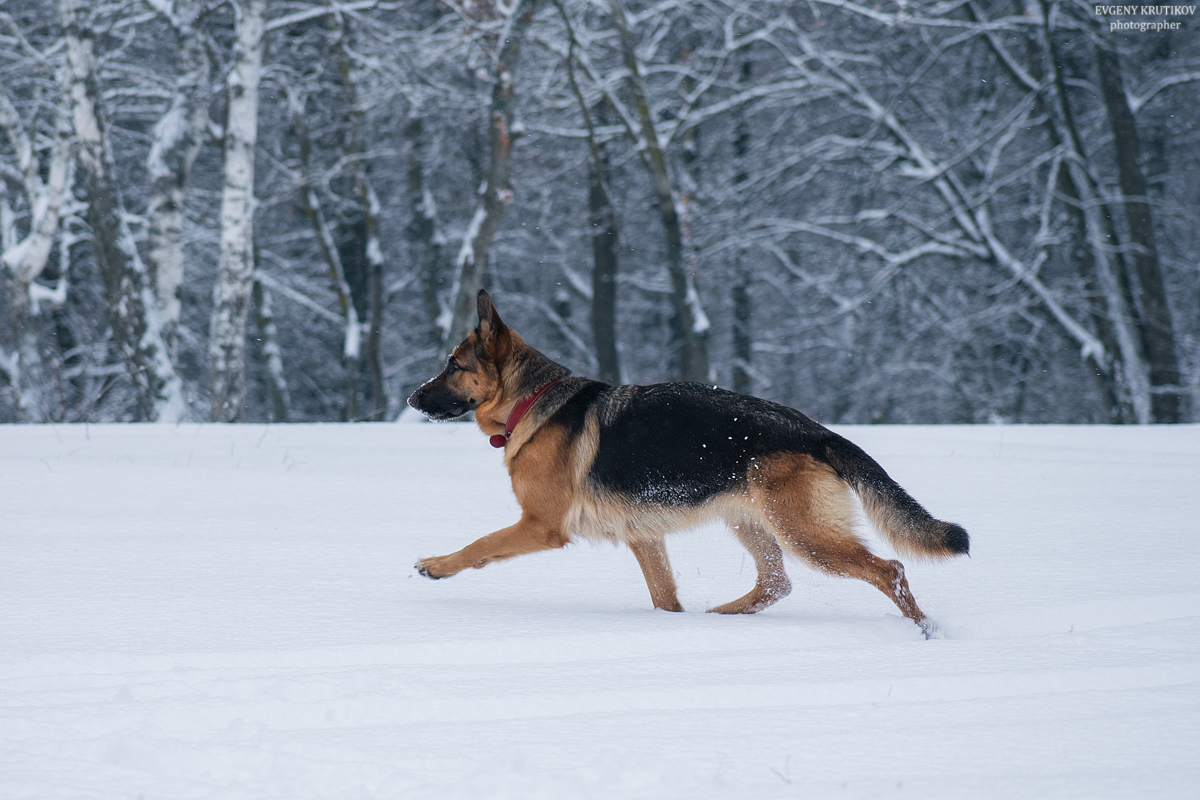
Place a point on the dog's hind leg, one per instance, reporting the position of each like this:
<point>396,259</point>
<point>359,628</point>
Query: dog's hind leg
<point>656,567</point>
<point>812,513</point>
<point>772,584</point>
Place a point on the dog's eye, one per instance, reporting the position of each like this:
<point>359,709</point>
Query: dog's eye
<point>452,367</point>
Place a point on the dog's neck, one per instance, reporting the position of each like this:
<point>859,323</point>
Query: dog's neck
<point>519,411</point>
<point>521,375</point>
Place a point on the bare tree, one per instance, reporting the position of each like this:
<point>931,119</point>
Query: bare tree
<point>25,257</point>
<point>886,212</point>
<point>276,379</point>
<point>967,180</point>
<point>177,137</point>
<point>423,230</point>
<point>231,294</point>
<point>743,336</point>
<point>1156,329</point>
<point>367,213</point>
<point>690,323</point>
<point>496,192</point>
<point>133,312</point>
<point>323,232</point>
<point>604,227</point>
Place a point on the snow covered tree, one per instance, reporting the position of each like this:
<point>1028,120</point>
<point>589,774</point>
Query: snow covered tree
<point>177,137</point>
<point>25,256</point>
<point>231,293</point>
<point>906,211</point>
<point>496,192</point>
<point>133,310</point>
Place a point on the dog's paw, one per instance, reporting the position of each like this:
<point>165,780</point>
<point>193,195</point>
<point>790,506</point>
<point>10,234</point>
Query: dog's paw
<point>431,569</point>
<point>930,629</point>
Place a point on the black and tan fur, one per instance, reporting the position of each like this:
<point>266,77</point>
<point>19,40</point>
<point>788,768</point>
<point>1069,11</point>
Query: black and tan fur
<point>633,463</point>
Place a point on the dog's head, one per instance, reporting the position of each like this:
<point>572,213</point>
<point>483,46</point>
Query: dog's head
<point>472,377</point>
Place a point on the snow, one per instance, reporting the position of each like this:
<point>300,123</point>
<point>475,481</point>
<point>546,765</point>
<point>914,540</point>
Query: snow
<point>209,611</point>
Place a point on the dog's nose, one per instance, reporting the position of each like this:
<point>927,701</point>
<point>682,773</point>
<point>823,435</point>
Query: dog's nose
<point>414,400</point>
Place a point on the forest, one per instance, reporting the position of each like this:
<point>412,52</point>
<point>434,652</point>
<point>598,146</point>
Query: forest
<point>962,211</point>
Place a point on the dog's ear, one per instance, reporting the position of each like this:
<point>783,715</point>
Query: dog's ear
<point>493,333</point>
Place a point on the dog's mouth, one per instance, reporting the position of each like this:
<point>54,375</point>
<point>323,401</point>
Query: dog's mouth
<point>441,415</point>
<point>438,411</point>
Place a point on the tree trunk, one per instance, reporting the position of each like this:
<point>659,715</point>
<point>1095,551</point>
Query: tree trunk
<point>1107,376</point>
<point>132,311</point>
<point>497,190</point>
<point>1156,329</point>
<point>374,253</point>
<point>1130,373</point>
<point>277,387</point>
<point>742,337</point>
<point>689,324</point>
<point>742,334</point>
<point>231,294</point>
<point>605,245</point>
<point>177,139</point>
<point>371,252</point>
<point>352,337</point>
<point>27,258</point>
<point>423,232</point>
<point>1104,371</point>
<point>605,237</point>
<point>28,373</point>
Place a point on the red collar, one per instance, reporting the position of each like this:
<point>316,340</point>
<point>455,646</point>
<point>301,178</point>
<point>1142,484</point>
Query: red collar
<point>501,439</point>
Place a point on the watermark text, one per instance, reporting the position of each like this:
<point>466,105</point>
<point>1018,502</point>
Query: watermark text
<point>1145,11</point>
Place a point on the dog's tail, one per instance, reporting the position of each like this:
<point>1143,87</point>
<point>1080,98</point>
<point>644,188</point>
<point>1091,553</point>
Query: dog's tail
<point>906,524</point>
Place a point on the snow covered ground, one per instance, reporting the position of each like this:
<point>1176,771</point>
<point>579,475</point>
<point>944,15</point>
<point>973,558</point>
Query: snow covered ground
<point>230,612</point>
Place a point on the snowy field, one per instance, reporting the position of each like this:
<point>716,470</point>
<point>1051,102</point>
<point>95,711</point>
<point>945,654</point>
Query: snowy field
<point>231,612</point>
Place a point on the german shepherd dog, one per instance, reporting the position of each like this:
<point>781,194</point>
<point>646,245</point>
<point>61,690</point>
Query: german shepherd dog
<point>633,463</point>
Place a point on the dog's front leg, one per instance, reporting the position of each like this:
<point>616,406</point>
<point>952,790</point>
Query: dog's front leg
<point>527,536</point>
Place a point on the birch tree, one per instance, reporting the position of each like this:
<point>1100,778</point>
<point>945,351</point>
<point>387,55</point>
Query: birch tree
<point>231,294</point>
<point>133,313</point>
<point>888,212</point>
<point>177,137</point>
<point>276,376</point>
<point>25,257</point>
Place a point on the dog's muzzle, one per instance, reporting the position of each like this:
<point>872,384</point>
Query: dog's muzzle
<point>437,405</point>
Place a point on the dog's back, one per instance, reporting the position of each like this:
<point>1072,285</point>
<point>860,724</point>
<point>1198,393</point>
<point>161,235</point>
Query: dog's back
<point>682,445</point>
